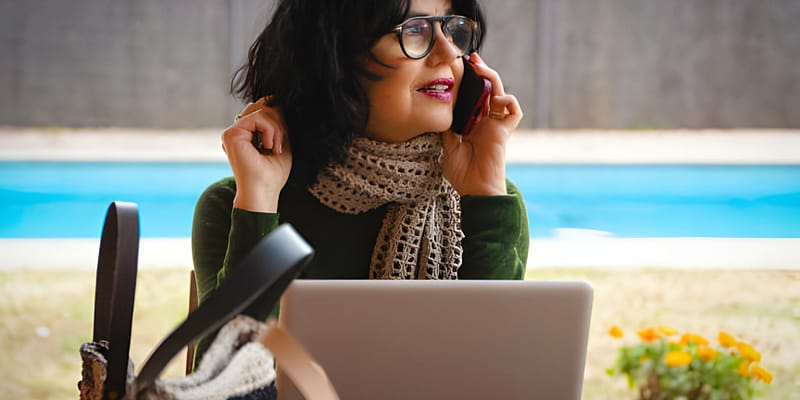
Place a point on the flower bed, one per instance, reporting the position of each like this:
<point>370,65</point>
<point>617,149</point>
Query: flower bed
<point>667,364</point>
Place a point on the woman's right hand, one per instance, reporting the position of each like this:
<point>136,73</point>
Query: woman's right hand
<point>259,176</point>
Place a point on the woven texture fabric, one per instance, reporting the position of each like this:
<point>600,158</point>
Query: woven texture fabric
<point>420,236</point>
<point>236,366</point>
<point>94,370</point>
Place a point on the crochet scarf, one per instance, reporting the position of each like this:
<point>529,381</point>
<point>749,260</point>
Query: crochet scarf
<point>420,237</point>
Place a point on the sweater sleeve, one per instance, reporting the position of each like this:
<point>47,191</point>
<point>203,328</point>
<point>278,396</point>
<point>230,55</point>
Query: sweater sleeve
<point>247,229</point>
<point>496,236</point>
<point>221,237</point>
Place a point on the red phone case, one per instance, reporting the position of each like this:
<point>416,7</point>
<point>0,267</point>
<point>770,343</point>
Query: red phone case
<point>471,99</point>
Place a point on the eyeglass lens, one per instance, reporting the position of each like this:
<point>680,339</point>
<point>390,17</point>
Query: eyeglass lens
<point>418,35</point>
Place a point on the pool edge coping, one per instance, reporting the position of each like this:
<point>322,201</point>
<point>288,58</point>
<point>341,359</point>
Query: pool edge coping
<point>747,146</point>
<point>545,253</point>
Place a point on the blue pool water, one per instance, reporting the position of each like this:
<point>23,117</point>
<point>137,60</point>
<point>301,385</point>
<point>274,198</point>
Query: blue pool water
<point>68,199</point>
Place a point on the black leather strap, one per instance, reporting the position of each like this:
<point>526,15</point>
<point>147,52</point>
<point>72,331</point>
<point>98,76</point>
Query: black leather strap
<point>259,280</point>
<point>115,289</point>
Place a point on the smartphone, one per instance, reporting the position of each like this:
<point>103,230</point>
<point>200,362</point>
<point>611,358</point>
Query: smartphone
<point>471,99</point>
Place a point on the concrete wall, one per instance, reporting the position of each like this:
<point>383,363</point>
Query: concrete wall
<point>670,64</point>
<point>139,63</point>
<point>572,63</point>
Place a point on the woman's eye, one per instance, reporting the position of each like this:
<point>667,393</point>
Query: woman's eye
<point>416,29</point>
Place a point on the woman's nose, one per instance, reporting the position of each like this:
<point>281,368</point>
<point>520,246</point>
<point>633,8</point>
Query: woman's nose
<point>443,48</point>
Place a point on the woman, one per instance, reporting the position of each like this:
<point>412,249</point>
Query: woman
<point>351,104</point>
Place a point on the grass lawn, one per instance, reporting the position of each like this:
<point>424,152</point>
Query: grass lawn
<point>46,315</point>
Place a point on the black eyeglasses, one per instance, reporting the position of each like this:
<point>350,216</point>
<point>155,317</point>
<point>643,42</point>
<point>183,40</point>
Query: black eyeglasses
<point>417,35</point>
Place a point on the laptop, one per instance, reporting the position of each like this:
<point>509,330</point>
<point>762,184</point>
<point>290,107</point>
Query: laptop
<point>388,339</point>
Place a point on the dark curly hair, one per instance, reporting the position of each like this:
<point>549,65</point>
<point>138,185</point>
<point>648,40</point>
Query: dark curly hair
<point>309,58</point>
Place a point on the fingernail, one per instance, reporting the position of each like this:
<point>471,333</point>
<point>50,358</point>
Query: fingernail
<point>279,149</point>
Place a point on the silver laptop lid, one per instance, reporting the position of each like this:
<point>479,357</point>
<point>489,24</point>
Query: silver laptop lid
<point>381,339</point>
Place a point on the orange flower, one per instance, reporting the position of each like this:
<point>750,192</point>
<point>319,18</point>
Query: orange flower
<point>694,338</point>
<point>667,331</point>
<point>748,352</point>
<point>725,339</point>
<point>677,358</point>
<point>648,335</point>
<point>706,353</point>
<point>744,369</point>
<point>615,332</point>
<point>762,374</point>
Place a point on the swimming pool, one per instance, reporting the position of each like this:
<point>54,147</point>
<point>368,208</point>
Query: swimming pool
<point>68,199</point>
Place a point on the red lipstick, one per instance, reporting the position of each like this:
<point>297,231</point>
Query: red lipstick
<point>440,89</point>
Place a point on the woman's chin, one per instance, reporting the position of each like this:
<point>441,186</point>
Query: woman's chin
<point>440,123</point>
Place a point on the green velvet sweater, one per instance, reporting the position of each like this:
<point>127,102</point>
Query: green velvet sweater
<point>495,245</point>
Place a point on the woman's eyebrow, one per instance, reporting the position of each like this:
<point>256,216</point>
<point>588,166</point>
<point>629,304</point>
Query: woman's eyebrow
<point>413,14</point>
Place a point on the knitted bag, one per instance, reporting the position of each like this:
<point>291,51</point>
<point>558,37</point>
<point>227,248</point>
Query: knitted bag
<point>237,365</point>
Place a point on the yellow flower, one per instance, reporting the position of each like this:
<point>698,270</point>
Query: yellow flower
<point>699,340</point>
<point>664,352</point>
<point>748,352</point>
<point>677,358</point>
<point>762,374</point>
<point>667,331</point>
<point>615,332</point>
<point>694,338</point>
<point>726,339</point>
<point>706,353</point>
<point>744,369</point>
<point>648,335</point>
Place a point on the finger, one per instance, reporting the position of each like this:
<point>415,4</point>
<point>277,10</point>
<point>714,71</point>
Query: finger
<point>267,121</point>
<point>251,108</point>
<point>277,139</point>
<point>497,107</point>
<point>483,70</point>
<point>272,140</point>
<point>505,108</point>
<point>501,101</point>
<point>248,109</point>
<point>247,112</point>
<point>235,134</point>
<point>243,130</point>
<point>515,110</point>
<point>277,144</point>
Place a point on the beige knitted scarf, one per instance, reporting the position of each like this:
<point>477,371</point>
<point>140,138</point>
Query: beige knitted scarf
<point>420,237</point>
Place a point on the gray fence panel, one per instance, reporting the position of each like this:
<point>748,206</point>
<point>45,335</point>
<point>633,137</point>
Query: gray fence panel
<point>674,64</point>
<point>143,63</point>
<point>571,63</point>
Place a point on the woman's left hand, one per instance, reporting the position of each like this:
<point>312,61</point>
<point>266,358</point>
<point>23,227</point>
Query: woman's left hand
<point>475,164</point>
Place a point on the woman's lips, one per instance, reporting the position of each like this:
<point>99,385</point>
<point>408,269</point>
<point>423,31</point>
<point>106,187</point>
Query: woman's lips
<point>440,89</point>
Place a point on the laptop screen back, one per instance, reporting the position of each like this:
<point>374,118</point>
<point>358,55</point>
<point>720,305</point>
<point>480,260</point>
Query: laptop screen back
<point>382,339</point>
